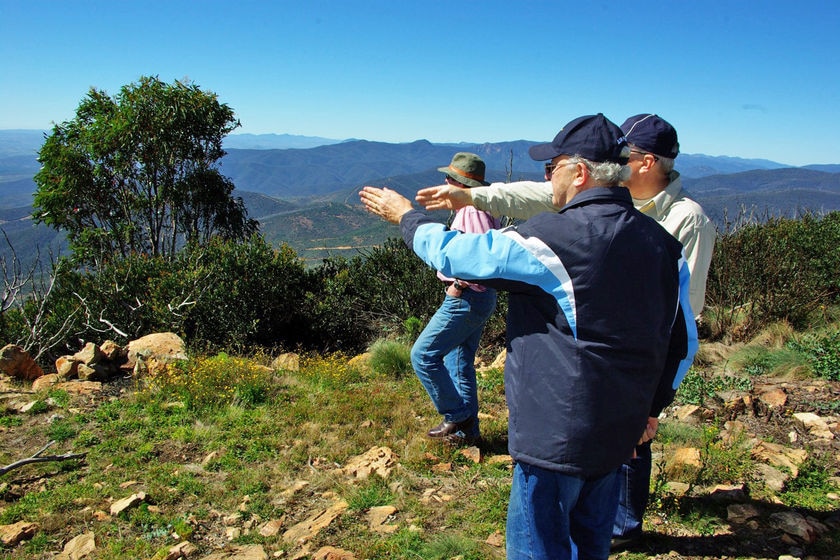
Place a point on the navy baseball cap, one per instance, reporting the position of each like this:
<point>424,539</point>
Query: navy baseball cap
<point>593,137</point>
<point>653,134</point>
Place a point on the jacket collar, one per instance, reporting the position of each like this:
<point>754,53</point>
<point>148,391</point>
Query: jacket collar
<point>600,194</point>
<point>661,202</point>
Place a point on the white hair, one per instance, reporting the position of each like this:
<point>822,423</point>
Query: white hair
<point>667,164</point>
<point>604,173</point>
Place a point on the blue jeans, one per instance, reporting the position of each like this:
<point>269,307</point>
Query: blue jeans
<point>633,493</point>
<point>443,355</point>
<point>551,514</point>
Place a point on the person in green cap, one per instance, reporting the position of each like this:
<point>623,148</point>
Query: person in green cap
<point>443,356</point>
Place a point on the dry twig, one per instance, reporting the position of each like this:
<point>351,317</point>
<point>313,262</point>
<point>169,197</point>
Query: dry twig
<point>37,458</point>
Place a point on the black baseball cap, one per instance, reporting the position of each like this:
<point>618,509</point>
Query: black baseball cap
<point>593,137</point>
<point>653,134</point>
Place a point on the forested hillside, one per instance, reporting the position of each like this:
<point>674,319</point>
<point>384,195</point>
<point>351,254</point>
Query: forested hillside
<point>307,197</point>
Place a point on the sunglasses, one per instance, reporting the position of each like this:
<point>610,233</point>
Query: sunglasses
<point>655,157</point>
<point>550,167</point>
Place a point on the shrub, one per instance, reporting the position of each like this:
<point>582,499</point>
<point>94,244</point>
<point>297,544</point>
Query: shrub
<point>213,382</point>
<point>781,269</point>
<point>724,462</point>
<point>247,294</point>
<point>412,327</point>
<point>330,371</point>
<point>823,353</point>
<point>812,486</point>
<point>699,386</point>
<point>240,296</point>
<point>223,295</point>
<point>370,295</point>
<point>390,358</point>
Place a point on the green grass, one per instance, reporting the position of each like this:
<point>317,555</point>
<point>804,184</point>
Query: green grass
<point>8,421</point>
<point>811,487</point>
<point>373,492</point>
<point>201,460</point>
<point>194,455</point>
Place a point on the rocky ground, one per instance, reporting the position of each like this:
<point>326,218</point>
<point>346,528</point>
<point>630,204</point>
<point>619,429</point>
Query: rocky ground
<point>784,422</point>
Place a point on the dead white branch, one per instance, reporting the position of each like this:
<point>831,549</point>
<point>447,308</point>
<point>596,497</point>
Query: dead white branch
<point>110,324</point>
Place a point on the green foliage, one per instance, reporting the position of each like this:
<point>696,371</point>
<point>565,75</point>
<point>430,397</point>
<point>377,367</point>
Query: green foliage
<point>39,407</point>
<point>240,296</point>
<point>758,363</point>
<point>373,293</point>
<point>137,173</point>
<point>811,486</point>
<point>823,353</point>
<point>330,371</point>
<point>7,421</point>
<point>825,407</point>
<point>724,462</point>
<point>699,386</point>
<point>222,295</point>
<point>60,397</point>
<point>182,528</point>
<point>86,438</point>
<point>38,545</point>
<point>705,521</point>
<point>721,462</point>
<point>214,382</point>
<point>62,430</point>
<point>390,358</point>
<point>412,327</point>
<point>781,269</point>
<point>491,380</point>
<point>251,295</point>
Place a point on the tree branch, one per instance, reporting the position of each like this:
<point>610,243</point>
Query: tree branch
<point>37,458</point>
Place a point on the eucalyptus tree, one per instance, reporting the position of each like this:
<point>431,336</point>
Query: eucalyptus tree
<point>138,173</point>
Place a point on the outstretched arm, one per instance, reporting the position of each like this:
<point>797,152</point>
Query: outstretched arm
<point>444,197</point>
<point>521,199</point>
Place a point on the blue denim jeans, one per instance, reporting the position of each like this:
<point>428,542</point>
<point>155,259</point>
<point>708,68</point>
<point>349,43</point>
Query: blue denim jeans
<point>443,355</point>
<point>634,488</point>
<point>554,516</point>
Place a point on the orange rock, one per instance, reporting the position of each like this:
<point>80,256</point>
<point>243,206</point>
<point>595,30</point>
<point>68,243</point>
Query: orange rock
<point>16,362</point>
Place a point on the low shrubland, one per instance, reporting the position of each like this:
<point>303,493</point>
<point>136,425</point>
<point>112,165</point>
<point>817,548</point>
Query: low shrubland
<point>244,296</point>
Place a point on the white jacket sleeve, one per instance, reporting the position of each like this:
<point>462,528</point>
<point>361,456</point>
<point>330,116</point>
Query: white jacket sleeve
<point>520,200</point>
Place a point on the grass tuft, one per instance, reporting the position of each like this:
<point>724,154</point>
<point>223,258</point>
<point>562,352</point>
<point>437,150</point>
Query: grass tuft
<point>390,358</point>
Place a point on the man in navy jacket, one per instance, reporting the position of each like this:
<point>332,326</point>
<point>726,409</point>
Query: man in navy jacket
<point>599,326</point>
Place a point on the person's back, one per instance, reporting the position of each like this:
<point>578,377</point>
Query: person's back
<point>601,355</point>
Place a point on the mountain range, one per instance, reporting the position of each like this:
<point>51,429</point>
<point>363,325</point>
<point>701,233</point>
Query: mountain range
<point>303,190</point>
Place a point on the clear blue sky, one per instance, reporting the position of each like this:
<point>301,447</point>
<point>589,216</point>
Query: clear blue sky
<point>753,79</point>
